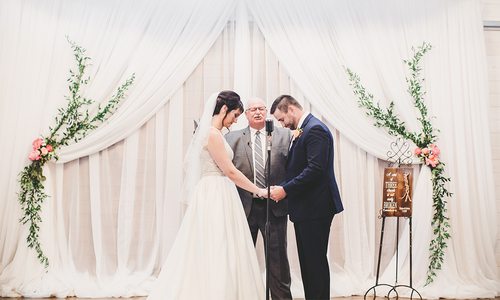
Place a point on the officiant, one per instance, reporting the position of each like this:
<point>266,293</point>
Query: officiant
<point>250,157</point>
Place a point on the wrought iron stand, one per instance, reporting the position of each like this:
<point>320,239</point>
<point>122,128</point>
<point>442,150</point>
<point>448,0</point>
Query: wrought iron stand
<point>398,154</point>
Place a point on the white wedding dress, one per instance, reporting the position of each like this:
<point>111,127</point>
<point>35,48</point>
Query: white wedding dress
<point>213,256</point>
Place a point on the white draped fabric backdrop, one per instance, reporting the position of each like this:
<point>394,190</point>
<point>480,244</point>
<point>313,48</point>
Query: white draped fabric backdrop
<point>114,206</point>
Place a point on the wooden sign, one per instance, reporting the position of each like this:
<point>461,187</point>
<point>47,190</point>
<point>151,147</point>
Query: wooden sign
<point>397,192</point>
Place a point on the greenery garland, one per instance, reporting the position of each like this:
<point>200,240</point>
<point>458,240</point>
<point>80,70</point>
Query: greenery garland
<point>72,124</point>
<point>426,150</point>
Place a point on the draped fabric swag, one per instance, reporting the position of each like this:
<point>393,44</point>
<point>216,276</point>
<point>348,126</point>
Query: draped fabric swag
<point>114,206</point>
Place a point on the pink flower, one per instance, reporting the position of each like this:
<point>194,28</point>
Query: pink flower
<point>34,155</point>
<point>37,143</point>
<point>418,151</point>
<point>430,155</point>
<point>49,148</point>
<point>435,150</point>
<point>44,151</point>
<point>432,162</point>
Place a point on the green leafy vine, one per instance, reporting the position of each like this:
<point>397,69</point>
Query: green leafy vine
<point>72,123</point>
<point>427,151</point>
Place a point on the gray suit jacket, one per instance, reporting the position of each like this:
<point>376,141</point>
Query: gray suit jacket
<point>240,141</point>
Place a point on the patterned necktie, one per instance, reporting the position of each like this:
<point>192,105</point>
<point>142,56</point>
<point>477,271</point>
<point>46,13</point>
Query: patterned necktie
<point>260,179</point>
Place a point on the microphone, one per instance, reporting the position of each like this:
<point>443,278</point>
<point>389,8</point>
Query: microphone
<point>269,126</point>
<point>269,129</point>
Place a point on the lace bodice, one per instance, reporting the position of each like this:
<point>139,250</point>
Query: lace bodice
<point>208,165</point>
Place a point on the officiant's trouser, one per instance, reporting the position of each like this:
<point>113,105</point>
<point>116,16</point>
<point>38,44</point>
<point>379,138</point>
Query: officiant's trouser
<point>279,268</point>
<point>312,246</point>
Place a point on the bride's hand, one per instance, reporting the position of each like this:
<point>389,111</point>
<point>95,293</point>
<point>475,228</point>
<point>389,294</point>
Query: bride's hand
<point>262,193</point>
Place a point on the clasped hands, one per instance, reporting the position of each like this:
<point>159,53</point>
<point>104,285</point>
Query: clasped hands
<point>277,193</point>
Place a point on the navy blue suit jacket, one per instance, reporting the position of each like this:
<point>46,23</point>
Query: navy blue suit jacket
<point>310,184</point>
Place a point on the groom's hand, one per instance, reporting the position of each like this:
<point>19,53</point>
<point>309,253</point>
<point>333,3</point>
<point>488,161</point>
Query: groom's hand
<point>277,193</point>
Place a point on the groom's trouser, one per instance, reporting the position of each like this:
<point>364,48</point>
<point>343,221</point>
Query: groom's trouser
<point>312,245</point>
<point>279,268</point>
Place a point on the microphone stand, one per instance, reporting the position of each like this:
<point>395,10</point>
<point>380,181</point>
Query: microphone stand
<point>269,129</point>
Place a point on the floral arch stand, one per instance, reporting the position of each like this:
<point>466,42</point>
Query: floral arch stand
<point>393,206</point>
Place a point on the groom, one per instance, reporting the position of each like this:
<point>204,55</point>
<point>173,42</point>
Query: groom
<point>311,190</point>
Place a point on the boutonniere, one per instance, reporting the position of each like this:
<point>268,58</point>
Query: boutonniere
<point>297,133</point>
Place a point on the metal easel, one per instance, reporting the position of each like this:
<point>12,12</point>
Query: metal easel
<point>398,154</point>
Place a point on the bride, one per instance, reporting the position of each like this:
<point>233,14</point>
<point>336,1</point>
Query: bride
<point>213,256</point>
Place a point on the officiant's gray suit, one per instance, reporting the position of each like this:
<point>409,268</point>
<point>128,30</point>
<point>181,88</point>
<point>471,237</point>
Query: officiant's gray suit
<point>255,209</point>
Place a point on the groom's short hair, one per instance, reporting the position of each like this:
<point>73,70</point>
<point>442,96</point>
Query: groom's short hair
<point>282,103</point>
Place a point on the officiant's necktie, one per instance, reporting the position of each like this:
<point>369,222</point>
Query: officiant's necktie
<point>260,179</point>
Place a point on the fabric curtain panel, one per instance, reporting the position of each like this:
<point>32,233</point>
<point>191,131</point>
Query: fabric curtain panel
<point>314,42</point>
<point>114,207</point>
<point>162,42</point>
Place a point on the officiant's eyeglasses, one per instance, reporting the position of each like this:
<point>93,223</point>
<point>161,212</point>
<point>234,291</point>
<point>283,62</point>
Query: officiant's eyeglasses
<point>254,109</point>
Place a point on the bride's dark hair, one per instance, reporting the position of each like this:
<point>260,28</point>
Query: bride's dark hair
<point>230,99</point>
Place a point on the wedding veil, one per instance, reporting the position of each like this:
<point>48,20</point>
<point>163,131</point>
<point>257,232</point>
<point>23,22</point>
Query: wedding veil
<point>192,160</point>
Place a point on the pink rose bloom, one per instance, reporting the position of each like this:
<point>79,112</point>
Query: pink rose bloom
<point>44,151</point>
<point>418,151</point>
<point>431,162</point>
<point>425,151</point>
<point>37,143</point>
<point>34,155</point>
<point>435,150</point>
<point>49,148</point>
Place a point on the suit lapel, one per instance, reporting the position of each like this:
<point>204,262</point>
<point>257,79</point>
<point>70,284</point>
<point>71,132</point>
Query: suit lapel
<point>294,142</point>
<point>247,142</point>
